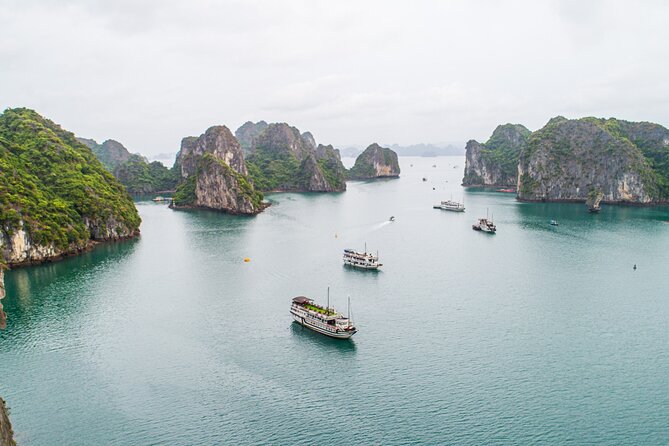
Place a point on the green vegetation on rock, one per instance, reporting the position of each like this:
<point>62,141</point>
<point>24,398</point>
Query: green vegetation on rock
<point>375,162</point>
<point>214,175</point>
<point>504,146</point>
<point>283,159</point>
<point>140,177</point>
<point>133,170</point>
<point>271,170</point>
<point>495,163</point>
<point>185,193</point>
<point>569,159</point>
<point>53,187</point>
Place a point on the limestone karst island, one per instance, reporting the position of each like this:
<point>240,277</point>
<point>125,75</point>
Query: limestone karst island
<point>334,223</point>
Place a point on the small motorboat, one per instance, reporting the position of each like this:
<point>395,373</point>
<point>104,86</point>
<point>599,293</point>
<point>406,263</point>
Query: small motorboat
<point>554,223</point>
<point>392,218</point>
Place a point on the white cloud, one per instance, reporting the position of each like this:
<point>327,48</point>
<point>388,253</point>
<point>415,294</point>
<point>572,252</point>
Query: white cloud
<point>148,73</point>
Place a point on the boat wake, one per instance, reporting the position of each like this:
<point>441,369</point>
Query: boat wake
<point>378,226</point>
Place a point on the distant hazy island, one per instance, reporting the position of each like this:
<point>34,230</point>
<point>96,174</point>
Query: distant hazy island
<point>425,150</point>
<point>572,159</point>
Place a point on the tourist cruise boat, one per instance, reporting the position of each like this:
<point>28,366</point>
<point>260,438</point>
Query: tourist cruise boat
<point>362,260</point>
<point>485,225</point>
<point>322,320</point>
<point>450,205</point>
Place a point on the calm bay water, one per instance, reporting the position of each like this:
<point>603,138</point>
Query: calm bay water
<point>538,334</point>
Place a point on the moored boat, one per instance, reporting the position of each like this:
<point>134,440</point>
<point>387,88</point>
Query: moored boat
<point>485,225</point>
<point>450,205</point>
<point>362,260</point>
<point>324,320</point>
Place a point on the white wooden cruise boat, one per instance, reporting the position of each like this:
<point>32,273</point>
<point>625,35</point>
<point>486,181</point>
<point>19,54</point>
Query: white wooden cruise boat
<point>362,260</point>
<point>450,205</point>
<point>485,225</point>
<point>324,320</point>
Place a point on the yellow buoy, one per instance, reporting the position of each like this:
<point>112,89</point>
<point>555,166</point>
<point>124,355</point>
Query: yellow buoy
<point>246,259</point>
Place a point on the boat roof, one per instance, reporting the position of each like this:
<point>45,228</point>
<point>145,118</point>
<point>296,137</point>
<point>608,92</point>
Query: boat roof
<point>302,300</point>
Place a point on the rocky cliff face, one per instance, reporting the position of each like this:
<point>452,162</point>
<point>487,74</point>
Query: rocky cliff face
<point>247,134</point>
<point>375,162</point>
<point>219,142</point>
<point>572,159</point>
<point>309,140</point>
<point>3,316</point>
<point>214,174</point>
<point>495,163</point>
<point>283,159</point>
<point>56,198</point>
<point>6,433</point>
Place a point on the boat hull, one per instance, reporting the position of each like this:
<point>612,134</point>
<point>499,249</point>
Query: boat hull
<point>359,266</point>
<point>479,228</point>
<point>337,335</point>
<point>449,209</point>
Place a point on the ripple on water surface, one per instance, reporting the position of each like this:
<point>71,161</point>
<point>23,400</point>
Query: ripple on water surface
<point>538,334</point>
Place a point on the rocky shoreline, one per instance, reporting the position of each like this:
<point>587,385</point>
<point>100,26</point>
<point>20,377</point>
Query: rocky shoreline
<point>90,245</point>
<point>6,432</point>
<point>615,203</point>
<point>264,205</point>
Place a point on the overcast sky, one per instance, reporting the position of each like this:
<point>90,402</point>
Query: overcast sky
<point>148,73</point>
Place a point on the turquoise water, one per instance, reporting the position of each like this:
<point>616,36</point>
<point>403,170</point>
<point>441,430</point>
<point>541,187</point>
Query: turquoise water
<point>537,334</point>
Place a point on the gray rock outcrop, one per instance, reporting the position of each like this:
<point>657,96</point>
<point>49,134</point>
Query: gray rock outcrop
<point>495,163</point>
<point>375,162</point>
<point>214,175</point>
<point>247,134</point>
<point>6,433</point>
<point>570,160</point>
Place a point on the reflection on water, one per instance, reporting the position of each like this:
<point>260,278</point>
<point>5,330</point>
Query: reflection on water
<point>463,338</point>
<point>33,292</point>
<point>317,340</point>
